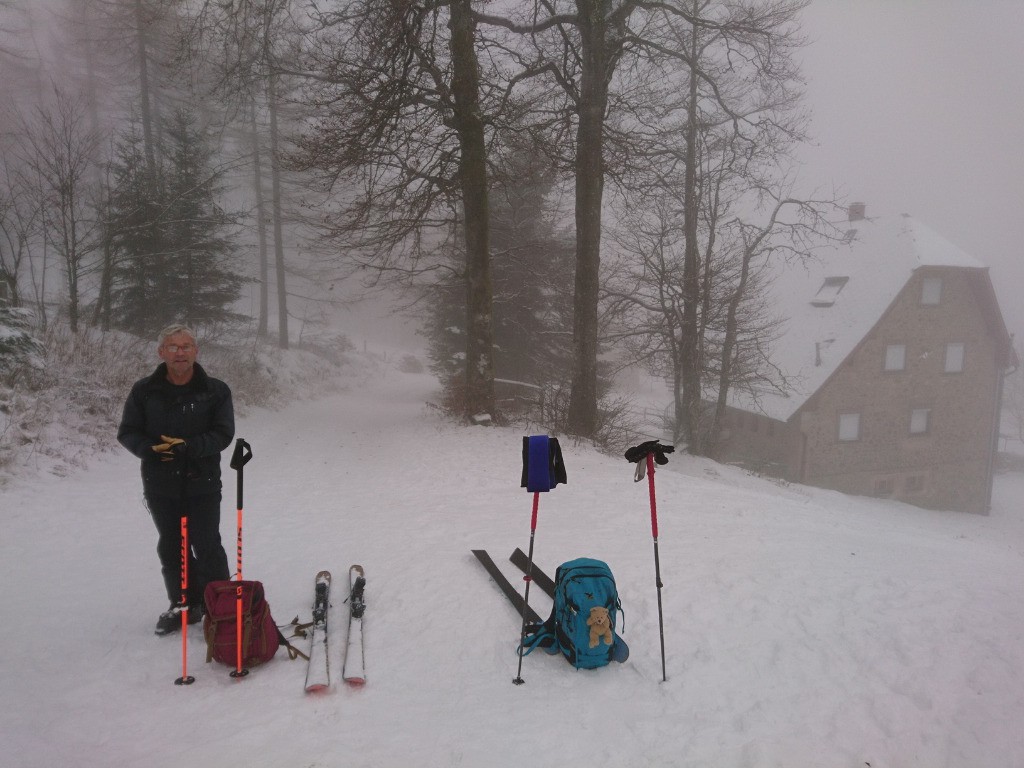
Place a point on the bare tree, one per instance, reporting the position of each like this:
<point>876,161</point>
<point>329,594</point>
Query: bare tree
<point>19,228</point>
<point>1013,400</point>
<point>126,47</point>
<point>245,47</point>
<point>402,147</point>
<point>59,151</point>
<point>580,47</point>
<point>718,201</point>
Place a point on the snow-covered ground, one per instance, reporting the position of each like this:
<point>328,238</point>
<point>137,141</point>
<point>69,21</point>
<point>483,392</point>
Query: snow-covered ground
<point>803,628</point>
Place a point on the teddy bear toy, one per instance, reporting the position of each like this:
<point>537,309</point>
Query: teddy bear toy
<point>600,624</point>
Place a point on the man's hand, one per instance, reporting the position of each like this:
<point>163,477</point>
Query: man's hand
<point>169,448</point>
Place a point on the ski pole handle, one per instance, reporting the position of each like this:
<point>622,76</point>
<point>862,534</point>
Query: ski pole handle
<point>650,486</point>
<point>239,459</point>
<point>241,455</point>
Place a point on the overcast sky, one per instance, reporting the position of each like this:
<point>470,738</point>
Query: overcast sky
<point>918,107</point>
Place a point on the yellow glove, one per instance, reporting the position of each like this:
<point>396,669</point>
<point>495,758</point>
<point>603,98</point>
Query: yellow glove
<point>172,441</point>
<point>167,447</point>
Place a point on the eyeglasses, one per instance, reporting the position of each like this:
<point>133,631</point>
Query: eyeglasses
<point>175,348</point>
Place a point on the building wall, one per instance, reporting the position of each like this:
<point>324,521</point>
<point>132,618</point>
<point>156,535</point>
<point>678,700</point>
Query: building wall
<point>948,465</point>
<point>757,442</point>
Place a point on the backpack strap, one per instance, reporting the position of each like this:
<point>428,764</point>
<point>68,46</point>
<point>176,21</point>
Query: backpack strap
<point>298,630</point>
<point>539,636</point>
<point>293,652</point>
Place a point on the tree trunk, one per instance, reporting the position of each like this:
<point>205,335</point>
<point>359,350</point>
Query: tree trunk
<point>728,353</point>
<point>144,88</point>
<point>275,191</point>
<point>261,225</point>
<point>593,102</point>
<point>690,363</point>
<point>101,316</point>
<point>473,181</point>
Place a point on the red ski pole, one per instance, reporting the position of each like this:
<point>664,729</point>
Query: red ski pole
<point>527,578</point>
<point>239,459</point>
<point>185,678</point>
<point>543,469</point>
<point>650,452</point>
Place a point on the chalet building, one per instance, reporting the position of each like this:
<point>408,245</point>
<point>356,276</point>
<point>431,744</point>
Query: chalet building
<point>895,352</point>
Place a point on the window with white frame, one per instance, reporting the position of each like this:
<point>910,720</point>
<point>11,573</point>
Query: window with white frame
<point>919,418</point>
<point>955,358</point>
<point>895,357</point>
<point>931,290</point>
<point>849,427</point>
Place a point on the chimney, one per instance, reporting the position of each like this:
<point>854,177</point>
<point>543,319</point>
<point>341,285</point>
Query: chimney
<point>856,211</point>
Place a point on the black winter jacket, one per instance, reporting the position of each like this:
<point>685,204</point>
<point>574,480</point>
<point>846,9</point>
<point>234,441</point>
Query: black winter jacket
<point>200,412</point>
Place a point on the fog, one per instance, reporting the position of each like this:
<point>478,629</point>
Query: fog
<point>918,108</point>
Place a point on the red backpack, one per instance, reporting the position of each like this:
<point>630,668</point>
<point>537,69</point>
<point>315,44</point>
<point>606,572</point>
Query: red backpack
<point>260,635</point>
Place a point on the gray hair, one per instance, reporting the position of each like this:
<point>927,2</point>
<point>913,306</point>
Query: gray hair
<point>171,330</point>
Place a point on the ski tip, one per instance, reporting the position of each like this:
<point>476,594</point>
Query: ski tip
<point>323,575</point>
<point>357,568</point>
<point>317,687</point>
<point>356,682</point>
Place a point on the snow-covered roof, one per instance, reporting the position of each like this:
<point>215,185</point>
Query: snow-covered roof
<point>832,302</point>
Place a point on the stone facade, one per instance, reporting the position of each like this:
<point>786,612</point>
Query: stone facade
<point>911,414</point>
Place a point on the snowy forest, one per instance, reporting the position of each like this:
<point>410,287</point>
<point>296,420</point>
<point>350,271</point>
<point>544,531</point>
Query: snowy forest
<point>552,190</point>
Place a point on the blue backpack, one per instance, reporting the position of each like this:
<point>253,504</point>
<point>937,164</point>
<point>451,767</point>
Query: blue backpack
<point>583,617</point>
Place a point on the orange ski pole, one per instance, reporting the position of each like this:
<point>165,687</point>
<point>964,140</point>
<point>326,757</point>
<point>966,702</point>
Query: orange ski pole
<point>239,459</point>
<point>185,678</point>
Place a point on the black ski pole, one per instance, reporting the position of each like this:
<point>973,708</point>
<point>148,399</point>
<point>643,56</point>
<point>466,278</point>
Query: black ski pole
<point>657,560</point>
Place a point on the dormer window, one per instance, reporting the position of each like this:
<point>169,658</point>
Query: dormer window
<point>931,290</point>
<point>829,291</point>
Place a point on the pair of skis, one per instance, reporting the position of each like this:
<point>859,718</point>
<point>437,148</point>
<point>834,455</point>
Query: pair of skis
<point>518,559</point>
<point>318,673</point>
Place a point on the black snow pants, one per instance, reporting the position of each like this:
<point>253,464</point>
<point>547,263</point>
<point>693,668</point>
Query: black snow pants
<point>207,560</point>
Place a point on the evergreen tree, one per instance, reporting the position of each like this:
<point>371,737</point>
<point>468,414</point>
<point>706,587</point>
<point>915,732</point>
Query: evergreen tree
<point>170,235</point>
<point>531,269</point>
<point>203,285</point>
<point>18,347</point>
<point>136,234</point>
<point>532,263</point>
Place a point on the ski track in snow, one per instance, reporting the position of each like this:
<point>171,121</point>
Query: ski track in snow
<point>803,627</point>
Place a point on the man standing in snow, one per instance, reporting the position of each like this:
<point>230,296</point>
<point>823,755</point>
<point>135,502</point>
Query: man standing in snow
<point>178,420</point>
